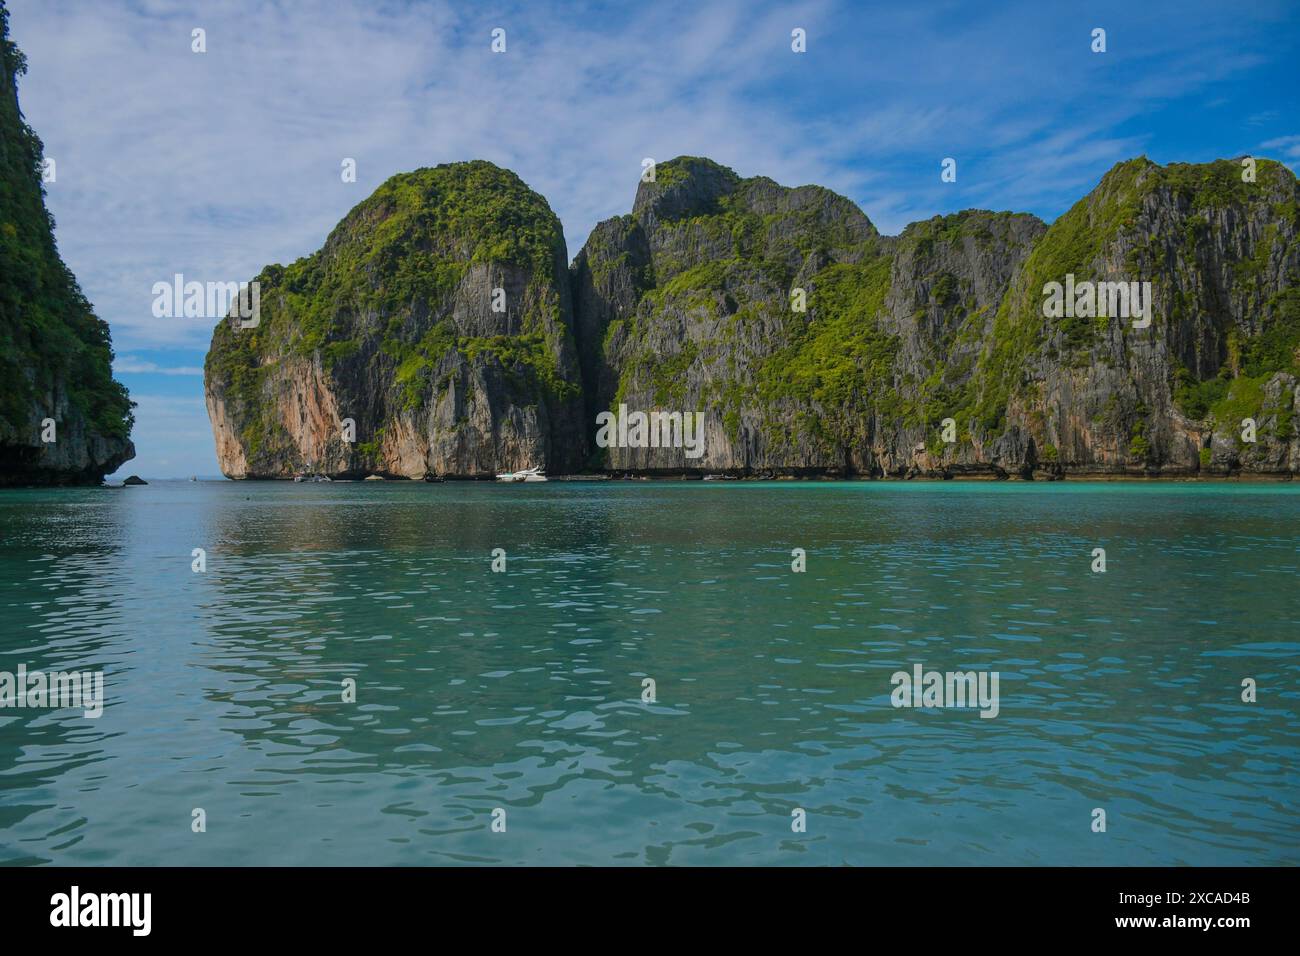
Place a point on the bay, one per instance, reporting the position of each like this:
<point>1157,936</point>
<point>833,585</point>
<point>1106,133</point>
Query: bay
<point>523,690</point>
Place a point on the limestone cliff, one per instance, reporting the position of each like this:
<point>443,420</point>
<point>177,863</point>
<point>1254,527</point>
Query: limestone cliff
<point>63,419</point>
<point>810,343</point>
<point>689,303</point>
<point>431,335</point>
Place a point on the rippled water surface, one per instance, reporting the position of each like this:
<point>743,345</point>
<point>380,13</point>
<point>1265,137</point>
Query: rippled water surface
<point>522,690</point>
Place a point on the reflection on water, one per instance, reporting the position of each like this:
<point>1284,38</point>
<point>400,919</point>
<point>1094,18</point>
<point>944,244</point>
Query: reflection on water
<point>522,690</point>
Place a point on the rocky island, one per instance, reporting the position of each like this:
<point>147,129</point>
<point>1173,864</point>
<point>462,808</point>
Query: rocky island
<point>63,418</point>
<point>438,332</point>
<point>437,319</point>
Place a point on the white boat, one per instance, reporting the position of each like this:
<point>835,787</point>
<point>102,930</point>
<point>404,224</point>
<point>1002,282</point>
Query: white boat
<point>528,474</point>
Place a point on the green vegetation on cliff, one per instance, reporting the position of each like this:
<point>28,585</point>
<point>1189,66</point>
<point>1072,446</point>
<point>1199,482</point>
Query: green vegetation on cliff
<point>399,303</point>
<point>727,253</point>
<point>51,342</point>
<point>839,355</point>
<point>404,250</point>
<point>686,303</point>
<point>1020,332</point>
<point>1249,361</point>
<point>946,320</point>
<point>1111,214</point>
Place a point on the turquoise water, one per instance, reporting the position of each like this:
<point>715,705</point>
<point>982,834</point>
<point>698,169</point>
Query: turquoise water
<point>522,690</point>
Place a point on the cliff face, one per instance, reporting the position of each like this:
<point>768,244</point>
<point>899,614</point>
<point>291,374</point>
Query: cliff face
<point>436,318</point>
<point>686,304</point>
<point>55,354</point>
<point>1223,346</point>
<point>810,343</point>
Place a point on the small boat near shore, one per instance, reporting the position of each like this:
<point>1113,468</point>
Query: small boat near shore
<point>528,474</point>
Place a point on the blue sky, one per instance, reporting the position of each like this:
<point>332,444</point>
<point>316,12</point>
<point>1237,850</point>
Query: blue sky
<point>215,164</point>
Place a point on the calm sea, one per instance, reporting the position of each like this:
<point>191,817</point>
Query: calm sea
<point>522,691</point>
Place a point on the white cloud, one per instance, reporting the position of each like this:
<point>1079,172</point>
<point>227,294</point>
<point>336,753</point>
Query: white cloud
<point>1288,146</point>
<point>127,364</point>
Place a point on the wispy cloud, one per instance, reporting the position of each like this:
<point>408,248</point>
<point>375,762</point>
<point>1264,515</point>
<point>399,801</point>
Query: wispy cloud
<point>1288,146</point>
<point>127,364</point>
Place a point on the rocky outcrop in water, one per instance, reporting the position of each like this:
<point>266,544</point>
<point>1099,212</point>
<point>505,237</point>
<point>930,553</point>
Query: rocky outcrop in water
<point>929,353</point>
<point>811,343</point>
<point>63,419</point>
<point>431,335</point>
